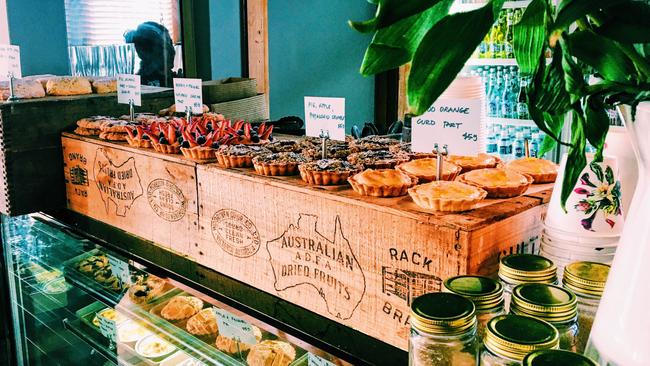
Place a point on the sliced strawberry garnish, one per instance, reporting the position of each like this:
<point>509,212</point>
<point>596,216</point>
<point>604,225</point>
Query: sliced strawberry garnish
<point>247,130</point>
<point>171,134</point>
<point>261,128</point>
<point>267,133</point>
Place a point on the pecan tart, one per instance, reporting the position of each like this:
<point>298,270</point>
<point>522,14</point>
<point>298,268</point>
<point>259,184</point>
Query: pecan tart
<point>283,163</point>
<point>426,169</point>
<point>327,172</point>
<point>447,196</point>
<point>335,150</point>
<point>372,143</point>
<point>406,148</point>
<point>468,163</point>
<point>239,156</point>
<point>378,159</point>
<point>499,183</point>
<point>542,171</point>
<point>284,146</point>
<point>382,182</point>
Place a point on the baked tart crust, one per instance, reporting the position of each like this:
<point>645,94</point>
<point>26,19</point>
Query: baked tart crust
<point>499,183</point>
<point>426,169</point>
<point>447,196</point>
<point>382,182</point>
<point>328,172</point>
<point>542,171</point>
<point>469,163</point>
<point>284,163</point>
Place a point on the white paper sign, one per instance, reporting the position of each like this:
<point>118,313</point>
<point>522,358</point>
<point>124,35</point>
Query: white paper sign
<point>232,326</point>
<point>313,360</point>
<point>120,269</point>
<point>108,328</point>
<point>325,114</point>
<point>188,93</point>
<point>455,122</point>
<point>128,88</point>
<point>10,62</point>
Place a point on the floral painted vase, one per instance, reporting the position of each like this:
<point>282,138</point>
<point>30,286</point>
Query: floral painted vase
<point>600,194</point>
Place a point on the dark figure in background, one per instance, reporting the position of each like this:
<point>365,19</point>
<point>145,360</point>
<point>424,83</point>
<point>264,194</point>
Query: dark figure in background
<point>156,51</point>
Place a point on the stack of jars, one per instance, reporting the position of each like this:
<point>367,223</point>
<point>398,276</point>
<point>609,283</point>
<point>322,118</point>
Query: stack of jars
<point>517,269</point>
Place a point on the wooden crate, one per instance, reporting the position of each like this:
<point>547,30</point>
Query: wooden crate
<point>357,260</point>
<point>30,144</point>
<point>145,193</point>
<point>224,90</point>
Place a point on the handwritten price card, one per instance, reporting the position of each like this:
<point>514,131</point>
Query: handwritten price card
<point>325,114</point>
<point>313,360</point>
<point>108,328</point>
<point>128,89</point>
<point>234,327</point>
<point>10,62</point>
<point>120,269</point>
<point>188,93</point>
<point>455,122</point>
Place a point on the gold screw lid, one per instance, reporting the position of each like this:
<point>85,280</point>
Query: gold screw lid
<point>547,302</point>
<point>486,293</point>
<point>554,357</point>
<point>527,268</point>
<point>514,336</point>
<point>586,278</point>
<point>442,313</point>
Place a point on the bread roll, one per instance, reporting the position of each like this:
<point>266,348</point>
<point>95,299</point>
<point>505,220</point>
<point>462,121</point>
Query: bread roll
<point>68,85</point>
<point>24,89</point>
<point>104,85</point>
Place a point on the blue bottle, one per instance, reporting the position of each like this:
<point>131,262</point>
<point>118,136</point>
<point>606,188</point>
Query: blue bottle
<point>519,150</point>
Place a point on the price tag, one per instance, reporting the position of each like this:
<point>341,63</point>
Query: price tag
<point>188,93</point>
<point>108,328</point>
<point>325,114</point>
<point>128,89</point>
<point>455,122</point>
<point>10,62</point>
<point>313,360</point>
<point>234,327</point>
<point>120,269</point>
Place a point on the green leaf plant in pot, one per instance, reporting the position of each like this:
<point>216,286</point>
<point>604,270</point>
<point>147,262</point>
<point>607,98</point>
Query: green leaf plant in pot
<point>599,58</point>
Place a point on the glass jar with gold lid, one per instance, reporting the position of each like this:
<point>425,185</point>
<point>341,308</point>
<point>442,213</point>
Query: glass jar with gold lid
<point>554,357</point>
<point>516,269</point>
<point>509,338</point>
<point>553,304</point>
<point>486,294</point>
<point>443,331</point>
<point>587,281</point>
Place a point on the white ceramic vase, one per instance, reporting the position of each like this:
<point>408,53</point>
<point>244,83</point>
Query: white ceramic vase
<point>621,331</point>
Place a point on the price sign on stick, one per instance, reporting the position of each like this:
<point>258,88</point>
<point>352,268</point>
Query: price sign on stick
<point>325,114</point>
<point>128,89</point>
<point>10,62</point>
<point>232,326</point>
<point>108,328</point>
<point>188,94</point>
<point>120,269</point>
<point>454,122</point>
<point>313,360</point>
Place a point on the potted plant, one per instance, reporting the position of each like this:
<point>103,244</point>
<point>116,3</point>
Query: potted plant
<point>608,39</point>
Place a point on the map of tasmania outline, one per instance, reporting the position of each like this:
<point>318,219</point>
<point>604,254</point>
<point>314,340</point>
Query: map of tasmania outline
<point>117,183</point>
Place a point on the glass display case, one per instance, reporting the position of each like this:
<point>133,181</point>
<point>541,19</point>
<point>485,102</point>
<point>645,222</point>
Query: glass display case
<point>75,302</point>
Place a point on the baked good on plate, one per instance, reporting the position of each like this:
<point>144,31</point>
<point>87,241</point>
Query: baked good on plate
<point>382,182</point>
<point>145,288</point>
<point>239,156</point>
<point>373,143</point>
<point>271,353</point>
<point>68,85</point>
<point>181,307</point>
<point>284,163</point>
<point>473,162</point>
<point>447,196</point>
<point>542,171</point>
<point>426,169</point>
<point>378,159</point>
<point>203,323</point>
<point>327,172</point>
<point>230,345</point>
<point>499,183</point>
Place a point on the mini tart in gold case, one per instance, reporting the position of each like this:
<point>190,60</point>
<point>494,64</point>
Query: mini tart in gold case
<point>469,163</point>
<point>447,196</point>
<point>382,183</point>
<point>499,183</point>
<point>238,156</point>
<point>378,159</point>
<point>372,143</point>
<point>542,171</point>
<point>165,148</point>
<point>406,148</point>
<point>284,163</point>
<point>199,152</point>
<point>426,169</point>
<point>327,172</point>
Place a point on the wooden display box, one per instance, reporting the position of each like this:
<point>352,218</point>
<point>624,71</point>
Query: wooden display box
<point>224,90</point>
<point>142,192</point>
<point>30,143</point>
<point>252,109</point>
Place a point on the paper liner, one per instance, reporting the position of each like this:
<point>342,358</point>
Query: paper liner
<point>139,143</point>
<point>275,169</point>
<point>430,178</point>
<point>325,178</point>
<point>381,191</point>
<point>234,161</point>
<point>166,149</point>
<point>445,205</point>
<point>501,192</point>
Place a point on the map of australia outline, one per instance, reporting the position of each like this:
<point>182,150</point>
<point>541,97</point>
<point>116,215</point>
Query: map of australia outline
<point>117,183</point>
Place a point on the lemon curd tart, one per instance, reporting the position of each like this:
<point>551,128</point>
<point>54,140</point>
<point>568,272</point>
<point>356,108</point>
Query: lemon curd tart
<point>426,169</point>
<point>498,183</point>
<point>447,196</point>
<point>382,182</point>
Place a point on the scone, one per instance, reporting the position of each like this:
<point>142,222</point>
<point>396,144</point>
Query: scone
<point>203,323</point>
<point>230,345</point>
<point>271,353</point>
<point>181,307</point>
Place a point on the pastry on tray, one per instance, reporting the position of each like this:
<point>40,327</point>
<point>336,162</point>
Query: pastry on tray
<point>405,147</point>
<point>230,345</point>
<point>447,196</point>
<point>181,307</point>
<point>373,143</point>
<point>426,169</point>
<point>92,264</point>
<point>137,137</point>
<point>284,163</point>
<point>382,182</point>
<point>90,126</point>
<point>114,129</point>
<point>499,183</point>
<point>271,353</point>
<point>284,146</point>
<point>378,159</point>
<point>145,288</point>
<point>327,172</point>
<point>203,323</point>
<point>238,156</point>
<point>473,162</point>
<point>542,171</point>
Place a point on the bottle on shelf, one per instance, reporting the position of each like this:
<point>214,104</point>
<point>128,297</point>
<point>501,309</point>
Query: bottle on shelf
<point>522,107</point>
<point>494,98</point>
<point>508,51</point>
<point>507,97</point>
<point>519,150</point>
